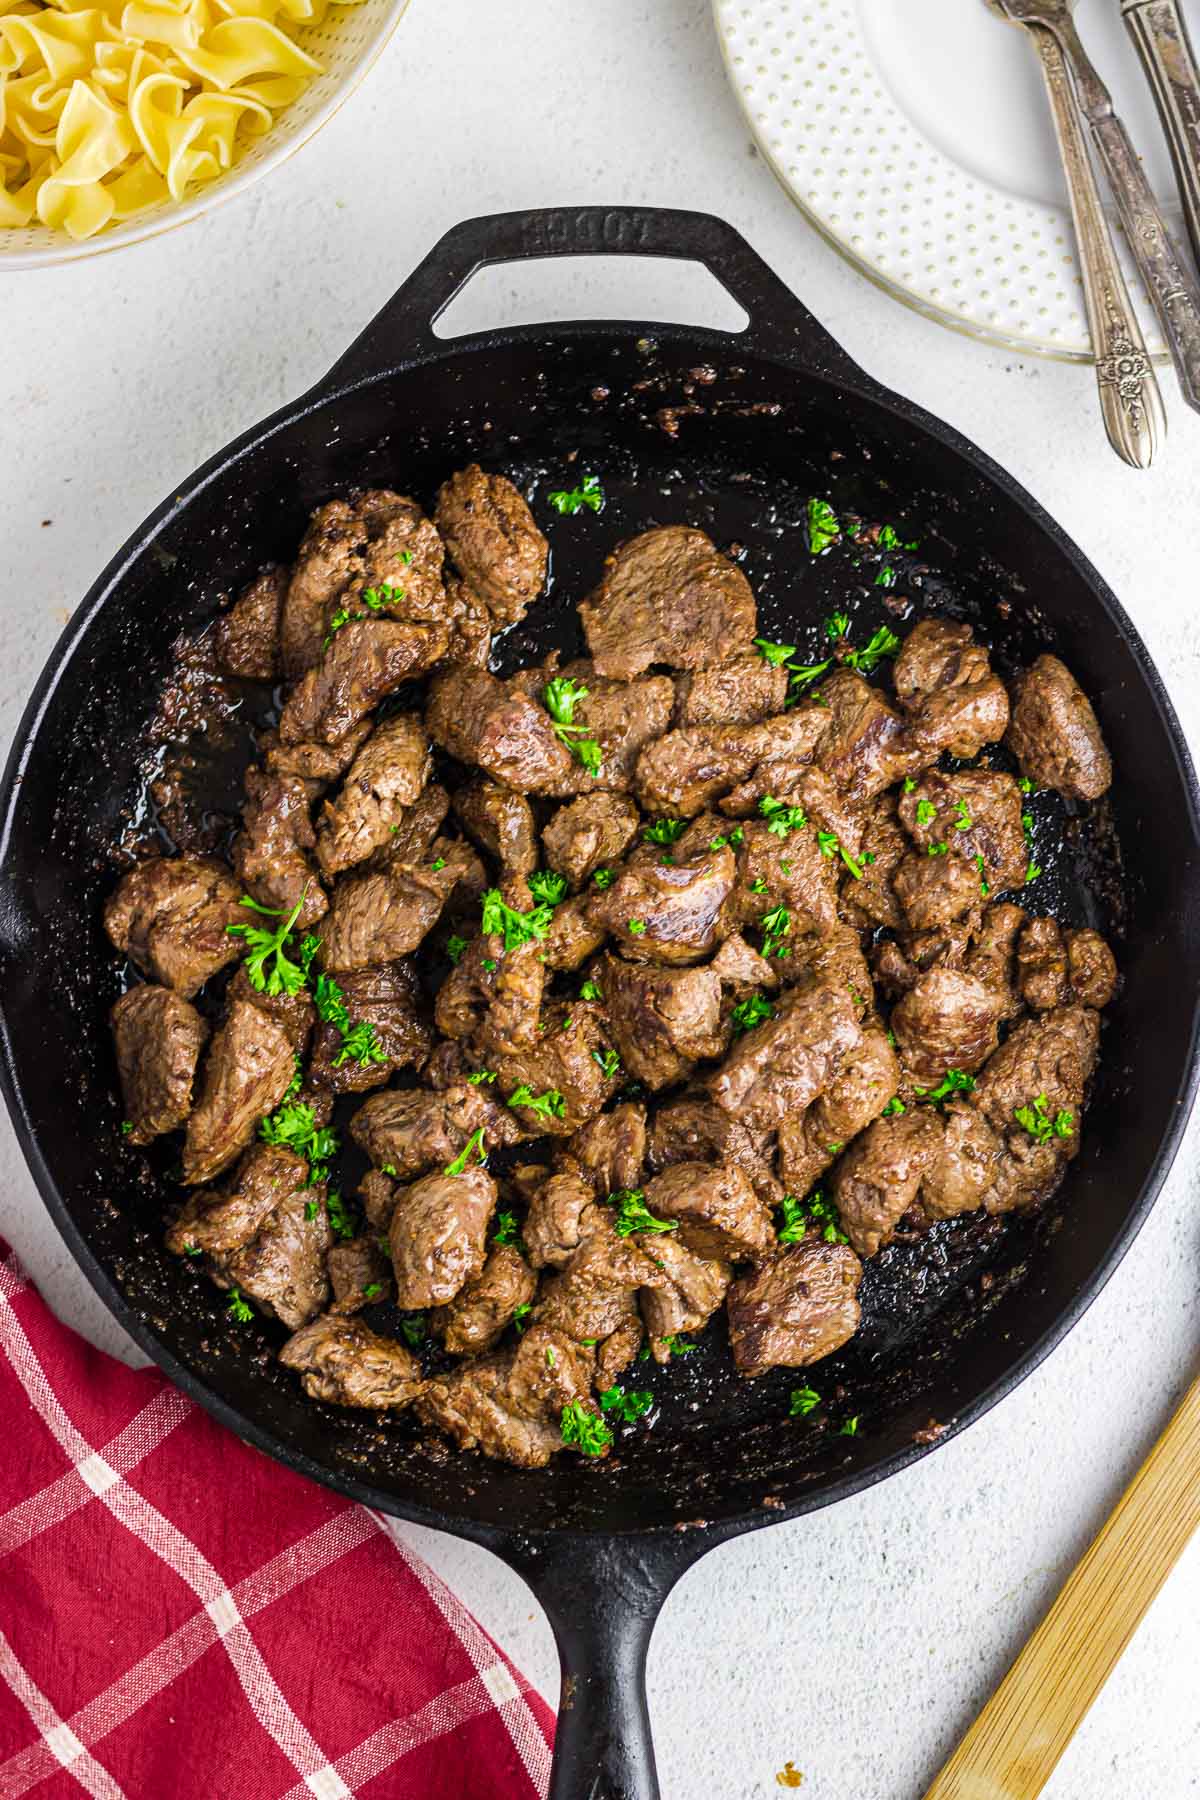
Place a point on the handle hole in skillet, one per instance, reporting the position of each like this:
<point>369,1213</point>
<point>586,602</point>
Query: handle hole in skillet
<point>591,287</point>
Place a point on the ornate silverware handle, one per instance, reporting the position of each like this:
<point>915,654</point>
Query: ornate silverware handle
<point>1171,285</point>
<point>1158,30</point>
<point>1130,401</point>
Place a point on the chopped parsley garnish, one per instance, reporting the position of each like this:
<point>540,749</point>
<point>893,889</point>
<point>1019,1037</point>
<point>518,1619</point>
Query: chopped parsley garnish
<point>373,1290</point>
<point>964,821</point>
<point>589,991</point>
<point>816,1211</point>
<point>472,1147</point>
<point>584,1430</point>
<point>192,1250</point>
<point>636,927</point>
<point>823,527</point>
<point>803,1401</point>
<point>609,1062</point>
<point>389,1169</point>
<point>330,1003</point>
<point>521,1314</point>
<point>1026,786</point>
<point>604,878</point>
<point>984,889</point>
<point>340,1220</point>
<point>849,1428</point>
<point>628,1407</point>
<point>310,1209</point>
<point>550,1105</point>
<point>782,818</point>
<point>561,696</point>
<point>126,1127</point>
<point>837,626</point>
<point>439,862</point>
<point>239,1309</point>
<point>909,784</point>
<point>480,1075</point>
<point>361,1045</point>
<point>886,577</point>
<point>678,1346</point>
<point>455,949</point>
<point>573,500</point>
<point>284,976</point>
<point>952,1082</point>
<point>1032,873</point>
<point>830,844</point>
<point>751,1012</point>
<point>795,1225</point>
<point>1027,827</point>
<point>942,849</point>
<point>665,831</point>
<point>506,1231</point>
<point>1040,1126</point>
<point>776,925</point>
<point>294,1126</point>
<point>775,654</point>
<point>513,926</point>
<point>414,1329</point>
<point>548,887</point>
<point>384,595</point>
<point>632,1214</point>
<point>894,1107</point>
<point>926,812</point>
<point>883,643</point>
<point>295,1084</point>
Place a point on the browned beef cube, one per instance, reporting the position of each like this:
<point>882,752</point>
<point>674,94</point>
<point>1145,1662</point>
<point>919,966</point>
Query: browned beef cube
<point>366,661</point>
<point>294,1012</point>
<point>783,1065</point>
<point>249,1068</point>
<point>385,779</point>
<point>866,747</point>
<point>217,1220</point>
<point>735,693</point>
<point>797,784</point>
<point>609,1151</point>
<point>412,839</point>
<point>742,969</point>
<point>992,957</point>
<point>594,1297</point>
<point>662,1021</point>
<point>387,998</point>
<point>858,1093</point>
<point>562,1213</point>
<point>159,1037</point>
<point>835,960</point>
<point>477,1317</point>
<point>246,639</point>
<point>510,1405</point>
<point>694,1130</point>
<point>938,653</point>
<point>438,1236</point>
<point>345,1363</point>
<point>378,917</point>
<point>592,833</point>
<point>490,533</point>
<point>687,770</point>
<point>470,625</point>
<point>668,596</point>
<point>480,721</point>
<point>959,719</point>
<point>1044,1066</point>
<point>271,852</point>
<point>694,1288</point>
<point>975,813</point>
<point>1055,735</point>
<point>623,717</point>
<point>792,872</point>
<point>282,1267</point>
<point>947,1020</point>
<point>796,1308</point>
<point>573,935</point>
<point>494,997</point>
<point>938,891</point>
<point>415,1130</point>
<point>379,540</point>
<point>672,912</point>
<point>171,916</point>
<point>716,1209</point>
<point>870,899</point>
<point>967,1167</point>
<point>1054,968</point>
<point>878,1178</point>
<point>377,1192</point>
<point>359,1273</point>
<point>316,764</point>
<point>569,1060</point>
<point>501,822</point>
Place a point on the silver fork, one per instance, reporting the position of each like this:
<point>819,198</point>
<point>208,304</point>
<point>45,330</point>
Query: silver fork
<point>1130,402</point>
<point>1170,283</point>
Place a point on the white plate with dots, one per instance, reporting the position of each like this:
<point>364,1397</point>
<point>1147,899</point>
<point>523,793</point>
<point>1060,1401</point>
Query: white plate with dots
<point>915,135</point>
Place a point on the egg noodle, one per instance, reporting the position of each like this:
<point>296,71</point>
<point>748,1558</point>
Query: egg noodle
<point>106,110</point>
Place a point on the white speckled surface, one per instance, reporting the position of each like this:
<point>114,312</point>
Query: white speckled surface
<point>860,1642</point>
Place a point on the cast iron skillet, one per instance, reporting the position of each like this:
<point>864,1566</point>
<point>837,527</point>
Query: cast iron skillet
<point>773,414</point>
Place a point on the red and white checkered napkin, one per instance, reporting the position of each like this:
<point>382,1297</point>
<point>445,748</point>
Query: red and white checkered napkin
<point>182,1619</point>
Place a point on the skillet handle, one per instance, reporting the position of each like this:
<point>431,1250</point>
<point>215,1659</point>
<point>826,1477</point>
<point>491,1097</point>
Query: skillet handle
<point>603,1596</point>
<point>780,325</point>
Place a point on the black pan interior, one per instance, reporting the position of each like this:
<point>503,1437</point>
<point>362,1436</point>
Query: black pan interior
<point>679,430</point>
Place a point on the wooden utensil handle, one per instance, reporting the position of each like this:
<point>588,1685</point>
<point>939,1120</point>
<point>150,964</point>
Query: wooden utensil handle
<point>1012,1748</point>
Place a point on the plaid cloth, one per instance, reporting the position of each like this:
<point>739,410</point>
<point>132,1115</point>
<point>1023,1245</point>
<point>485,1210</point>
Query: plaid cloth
<point>182,1619</point>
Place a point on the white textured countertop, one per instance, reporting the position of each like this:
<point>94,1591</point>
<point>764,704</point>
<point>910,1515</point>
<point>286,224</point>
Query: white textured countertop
<point>860,1642</point>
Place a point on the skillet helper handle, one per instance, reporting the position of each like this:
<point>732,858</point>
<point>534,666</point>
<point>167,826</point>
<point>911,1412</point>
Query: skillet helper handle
<point>780,325</point>
<point>1011,1750</point>
<point>602,1596</point>
<point>1160,34</point>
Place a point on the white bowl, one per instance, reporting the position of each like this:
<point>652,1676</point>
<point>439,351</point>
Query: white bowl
<point>346,43</point>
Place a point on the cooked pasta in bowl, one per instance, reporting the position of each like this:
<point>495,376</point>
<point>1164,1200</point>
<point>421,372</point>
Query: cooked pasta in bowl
<point>122,119</point>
